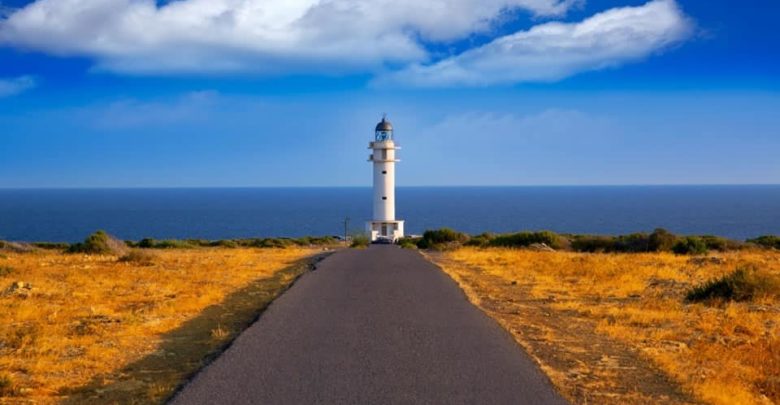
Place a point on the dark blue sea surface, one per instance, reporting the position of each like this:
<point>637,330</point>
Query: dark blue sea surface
<point>218,213</point>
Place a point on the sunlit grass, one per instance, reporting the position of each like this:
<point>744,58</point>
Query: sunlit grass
<point>79,319</point>
<point>722,352</point>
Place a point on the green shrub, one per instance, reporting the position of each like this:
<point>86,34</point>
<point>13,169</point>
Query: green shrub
<point>481,240</point>
<point>744,284</point>
<point>632,243</point>
<point>360,241</point>
<point>173,244</point>
<point>690,245</point>
<point>225,243</point>
<point>407,243</point>
<point>315,240</point>
<point>99,243</point>
<point>720,244</point>
<point>524,239</point>
<point>273,243</point>
<point>146,243</point>
<point>767,241</point>
<point>592,243</point>
<point>661,240</point>
<point>52,245</point>
<point>434,239</point>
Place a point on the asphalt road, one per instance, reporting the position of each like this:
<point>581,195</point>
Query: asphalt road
<point>374,326</point>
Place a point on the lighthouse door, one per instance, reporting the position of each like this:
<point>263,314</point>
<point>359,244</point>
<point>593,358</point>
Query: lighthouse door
<point>384,229</point>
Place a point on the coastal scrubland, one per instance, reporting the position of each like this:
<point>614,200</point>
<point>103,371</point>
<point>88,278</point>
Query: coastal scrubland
<point>128,324</point>
<point>649,327</point>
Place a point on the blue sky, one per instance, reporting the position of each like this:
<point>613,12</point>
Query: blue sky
<point>129,93</point>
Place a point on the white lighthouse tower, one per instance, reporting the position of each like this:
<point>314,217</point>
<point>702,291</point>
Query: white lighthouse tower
<point>384,225</point>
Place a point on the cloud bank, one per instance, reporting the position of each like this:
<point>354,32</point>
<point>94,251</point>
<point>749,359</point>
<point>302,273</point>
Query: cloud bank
<point>340,36</point>
<point>16,85</point>
<point>554,50</point>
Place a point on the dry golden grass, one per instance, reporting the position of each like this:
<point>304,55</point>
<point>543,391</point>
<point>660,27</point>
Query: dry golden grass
<point>97,329</point>
<point>720,354</point>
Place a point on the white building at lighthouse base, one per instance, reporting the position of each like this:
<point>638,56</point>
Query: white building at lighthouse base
<point>392,230</point>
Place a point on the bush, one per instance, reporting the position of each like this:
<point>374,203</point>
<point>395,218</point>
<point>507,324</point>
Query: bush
<point>481,240</point>
<point>438,238</point>
<point>99,243</point>
<point>525,239</point>
<point>593,243</point>
<point>139,257</point>
<point>661,240</point>
<point>408,243</point>
<point>315,240</point>
<point>146,243</point>
<point>632,243</point>
<point>690,245</point>
<point>52,245</point>
<point>225,243</point>
<point>767,241</point>
<point>360,241</point>
<point>173,244</point>
<point>743,284</point>
<point>720,244</point>
<point>273,243</point>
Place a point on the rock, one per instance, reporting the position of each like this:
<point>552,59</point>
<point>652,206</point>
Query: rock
<point>19,289</point>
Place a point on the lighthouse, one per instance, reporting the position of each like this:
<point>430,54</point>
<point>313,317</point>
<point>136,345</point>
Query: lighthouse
<point>384,226</point>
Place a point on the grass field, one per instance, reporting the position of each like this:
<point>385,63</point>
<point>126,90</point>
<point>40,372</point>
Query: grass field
<point>617,328</point>
<point>96,329</point>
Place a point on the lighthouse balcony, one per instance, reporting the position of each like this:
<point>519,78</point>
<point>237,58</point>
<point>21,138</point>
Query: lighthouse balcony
<point>371,159</point>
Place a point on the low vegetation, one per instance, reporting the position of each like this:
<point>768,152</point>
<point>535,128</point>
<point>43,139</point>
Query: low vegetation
<point>99,243</point>
<point>104,328</point>
<point>768,241</point>
<point>744,284</point>
<point>149,243</point>
<point>616,328</point>
<point>660,240</point>
<point>441,239</point>
<point>360,242</point>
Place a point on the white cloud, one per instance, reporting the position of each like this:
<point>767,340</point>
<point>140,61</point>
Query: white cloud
<point>554,50</point>
<point>138,36</point>
<point>16,85</point>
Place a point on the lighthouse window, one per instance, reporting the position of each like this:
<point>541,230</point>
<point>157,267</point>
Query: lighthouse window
<point>384,198</point>
<point>384,171</point>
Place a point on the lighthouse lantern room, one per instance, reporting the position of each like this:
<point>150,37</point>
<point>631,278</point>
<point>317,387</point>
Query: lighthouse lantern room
<point>384,226</point>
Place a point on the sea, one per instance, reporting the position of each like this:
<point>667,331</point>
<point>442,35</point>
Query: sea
<point>68,215</point>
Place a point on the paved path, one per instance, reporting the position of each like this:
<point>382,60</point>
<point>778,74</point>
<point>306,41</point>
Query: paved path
<point>374,326</point>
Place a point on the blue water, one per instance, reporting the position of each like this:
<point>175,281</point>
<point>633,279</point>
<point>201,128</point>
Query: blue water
<point>69,215</point>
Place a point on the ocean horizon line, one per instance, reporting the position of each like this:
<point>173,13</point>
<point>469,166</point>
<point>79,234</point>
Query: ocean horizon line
<point>399,187</point>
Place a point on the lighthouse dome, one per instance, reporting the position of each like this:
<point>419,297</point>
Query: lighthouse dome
<point>384,126</point>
